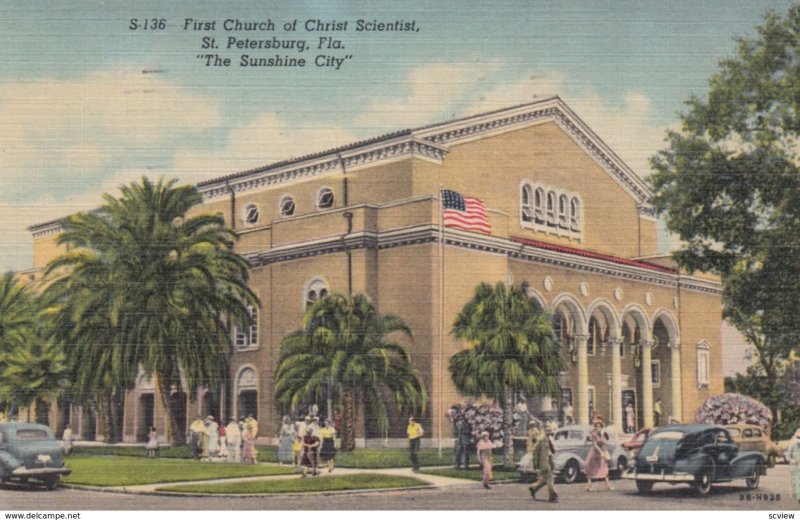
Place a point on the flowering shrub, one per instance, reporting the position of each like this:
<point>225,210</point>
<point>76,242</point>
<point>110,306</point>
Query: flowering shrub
<point>732,409</point>
<point>480,418</point>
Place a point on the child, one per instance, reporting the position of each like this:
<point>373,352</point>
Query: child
<point>297,448</point>
<point>152,443</point>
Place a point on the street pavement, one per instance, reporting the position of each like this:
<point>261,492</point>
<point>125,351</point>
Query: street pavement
<point>774,494</point>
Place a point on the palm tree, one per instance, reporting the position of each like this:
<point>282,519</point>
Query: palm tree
<point>343,345</point>
<point>512,349</point>
<point>145,285</point>
<point>33,372</point>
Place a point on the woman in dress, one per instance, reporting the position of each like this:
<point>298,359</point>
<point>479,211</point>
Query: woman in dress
<point>596,466</point>
<point>152,443</point>
<point>285,440</point>
<point>248,445</point>
<point>793,456</point>
<point>484,448</point>
<point>327,452</point>
<point>310,445</point>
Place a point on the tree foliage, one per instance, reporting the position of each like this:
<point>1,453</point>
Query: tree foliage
<point>728,185</point>
<point>345,345</point>
<point>512,349</point>
<point>145,284</point>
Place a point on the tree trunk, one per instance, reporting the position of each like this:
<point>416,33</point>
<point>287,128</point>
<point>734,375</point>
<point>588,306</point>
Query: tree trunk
<point>178,436</point>
<point>348,421</point>
<point>508,419</point>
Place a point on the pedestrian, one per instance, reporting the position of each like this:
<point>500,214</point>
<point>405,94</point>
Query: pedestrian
<point>152,443</point>
<point>285,439</point>
<point>484,450</point>
<point>793,457</point>
<point>657,412</point>
<point>596,466</point>
<point>327,450</point>
<point>212,437</point>
<point>223,442</point>
<point>310,447</point>
<point>463,435</point>
<point>67,438</point>
<point>415,433</point>
<point>521,409</point>
<point>197,430</point>
<point>249,454</point>
<point>567,411</point>
<point>630,426</point>
<point>541,455</point>
<point>233,438</point>
<point>250,420</point>
<point>297,450</point>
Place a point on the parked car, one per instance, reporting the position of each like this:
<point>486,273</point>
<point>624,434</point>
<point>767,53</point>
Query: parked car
<point>637,441</point>
<point>750,437</point>
<point>572,447</point>
<point>29,451</point>
<point>694,454</point>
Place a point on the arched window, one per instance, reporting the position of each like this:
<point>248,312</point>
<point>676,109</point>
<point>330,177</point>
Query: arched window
<point>551,208</point>
<point>538,206</point>
<point>315,290</point>
<point>325,198</point>
<point>596,336</point>
<point>247,336</point>
<point>575,214</point>
<point>563,202</point>
<point>287,206</point>
<point>246,393</point>
<point>251,214</point>
<point>526,203</point>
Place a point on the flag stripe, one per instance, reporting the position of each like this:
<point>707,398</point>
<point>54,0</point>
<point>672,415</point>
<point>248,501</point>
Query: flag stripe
<point>466,213</point>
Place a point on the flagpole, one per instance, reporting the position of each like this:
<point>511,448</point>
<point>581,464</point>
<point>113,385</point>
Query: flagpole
<point>441,319</point>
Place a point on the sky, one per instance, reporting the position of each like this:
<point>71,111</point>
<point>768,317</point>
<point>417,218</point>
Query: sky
<point>88,103</point>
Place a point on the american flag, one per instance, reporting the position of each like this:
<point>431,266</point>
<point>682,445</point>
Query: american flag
<point>464,213</point>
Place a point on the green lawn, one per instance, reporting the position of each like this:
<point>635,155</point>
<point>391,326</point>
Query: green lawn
<point>130,471</point>
<point>474,473</point>
<point>302,485</point>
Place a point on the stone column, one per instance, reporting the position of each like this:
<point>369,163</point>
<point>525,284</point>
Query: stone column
<point>647,382</point>
<point>582,398</point>
<point>676,385</point>
<point>616,384</point>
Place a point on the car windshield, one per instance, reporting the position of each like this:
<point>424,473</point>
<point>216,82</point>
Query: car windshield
<point>32,435</point>
<point>667,436</point>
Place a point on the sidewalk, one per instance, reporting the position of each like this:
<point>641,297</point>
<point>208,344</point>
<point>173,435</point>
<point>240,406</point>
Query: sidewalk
<point>435,481</point>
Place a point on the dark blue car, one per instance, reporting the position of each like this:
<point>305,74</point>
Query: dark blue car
<point>28,451</point>
<point>694,454</point>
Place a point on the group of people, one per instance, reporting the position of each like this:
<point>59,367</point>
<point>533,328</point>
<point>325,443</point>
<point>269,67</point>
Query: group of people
<point>235,442</point>
<point>305,443</point>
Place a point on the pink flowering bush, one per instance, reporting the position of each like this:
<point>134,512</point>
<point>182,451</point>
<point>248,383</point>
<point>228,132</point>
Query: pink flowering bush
<point>732,409</point>
<point>480,418</point>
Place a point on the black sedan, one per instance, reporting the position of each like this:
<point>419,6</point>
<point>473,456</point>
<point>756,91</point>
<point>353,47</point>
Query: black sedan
<point>694,454</point>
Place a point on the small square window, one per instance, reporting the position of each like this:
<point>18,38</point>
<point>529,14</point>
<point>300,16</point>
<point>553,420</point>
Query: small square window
<point>251,214</point>
<point>287,206</point>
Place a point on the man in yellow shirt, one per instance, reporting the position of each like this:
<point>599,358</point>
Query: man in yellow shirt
<point>415,433</point>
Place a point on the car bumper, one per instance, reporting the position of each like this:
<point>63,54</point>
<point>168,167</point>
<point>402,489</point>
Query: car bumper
<point>659,477</point>
<point>23,472</point>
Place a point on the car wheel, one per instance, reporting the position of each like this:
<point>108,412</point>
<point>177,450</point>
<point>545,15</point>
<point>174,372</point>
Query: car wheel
<point>771,459</point>
<point>51,483</point>
<point>703,483</point>
<point>752,481</point>
<point>644,486</point>
<point>622,465</point>
<point>571,470</point>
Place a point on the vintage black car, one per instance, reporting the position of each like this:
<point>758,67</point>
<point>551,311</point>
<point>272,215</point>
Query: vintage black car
<point>694,454</point>
<point>28,451</point>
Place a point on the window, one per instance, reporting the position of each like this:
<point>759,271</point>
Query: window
<point>247,336</point>
<point>655,373</point>
<point>251,214</point>
<point>287,206</point>
<point>596,338</point>
<point>575,214</point>
<point>551,208</point>
<point>563,202</point>
<point>325,198</point>
<point>526,203</point>
<point>702,364</point>
<point>314,291</point>
<point>538,206</point>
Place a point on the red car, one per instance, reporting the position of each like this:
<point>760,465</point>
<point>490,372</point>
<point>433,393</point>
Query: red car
<point>636,442</point>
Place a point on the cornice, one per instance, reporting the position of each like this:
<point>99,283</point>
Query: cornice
<point>483,243</point>
<point>47,229</point>
<point>397,148</point>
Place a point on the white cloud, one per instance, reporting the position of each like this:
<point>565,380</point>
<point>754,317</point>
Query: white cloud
<point>51,130</point>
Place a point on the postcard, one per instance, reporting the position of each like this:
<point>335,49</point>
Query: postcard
<point>392,256</point>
